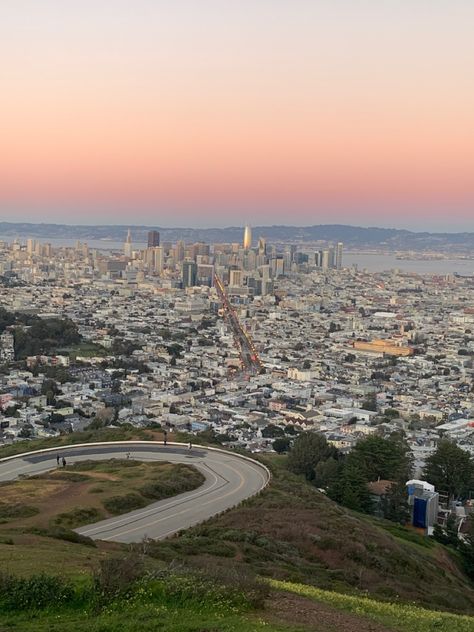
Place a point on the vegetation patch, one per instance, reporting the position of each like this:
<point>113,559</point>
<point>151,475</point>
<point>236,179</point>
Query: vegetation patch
<point>88,491</point>
<point>16,511</point>
<point>398,616</point>
<point>62,475</point>
<point>122,504</point>
<point>36,592</point>
<point>61,533</point>
<point>78,517</point>
<point>293,532</point>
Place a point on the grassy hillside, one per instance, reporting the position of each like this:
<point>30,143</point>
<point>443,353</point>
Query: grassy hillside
<point>292,532</point>
<point>38,513</point>
<point>118,598</point>
<point>330,558</point>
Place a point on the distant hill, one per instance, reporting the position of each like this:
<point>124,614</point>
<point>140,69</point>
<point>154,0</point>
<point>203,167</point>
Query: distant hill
<point>352,236</point>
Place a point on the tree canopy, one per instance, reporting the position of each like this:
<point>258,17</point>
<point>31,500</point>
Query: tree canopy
<point>450,469</point>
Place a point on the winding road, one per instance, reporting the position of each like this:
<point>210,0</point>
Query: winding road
<point>229,479</point>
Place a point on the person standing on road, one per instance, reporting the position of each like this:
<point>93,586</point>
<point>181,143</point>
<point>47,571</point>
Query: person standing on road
<point>64,462</point>
<point>190,446</point>
<point>57,459</point>
<point>165,437</point>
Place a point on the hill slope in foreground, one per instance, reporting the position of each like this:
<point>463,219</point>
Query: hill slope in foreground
<point>202,580</point>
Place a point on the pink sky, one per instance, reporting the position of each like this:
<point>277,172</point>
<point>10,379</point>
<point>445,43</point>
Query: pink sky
<point>196,112</point>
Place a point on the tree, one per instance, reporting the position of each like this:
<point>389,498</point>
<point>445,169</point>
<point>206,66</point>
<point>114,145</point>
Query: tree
<point>467,548</point>
<point>175,350</point>
<point>385,458</point>
<point>271,431</point>
<point>450,469</point>
<point>350,488</point>
<point>395,504</point>
<point>26,432</point>
<point>309,448</point>
<point>50,389</point>
<point>281,444</point>
<point>370,402</point>
<point>449,534</point>
<point>326,472</point>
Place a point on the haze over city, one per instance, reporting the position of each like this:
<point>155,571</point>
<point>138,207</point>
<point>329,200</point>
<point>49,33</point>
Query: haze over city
<point>211,113</point>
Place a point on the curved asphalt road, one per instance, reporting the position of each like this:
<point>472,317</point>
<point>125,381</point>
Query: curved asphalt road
<point>229,479</point>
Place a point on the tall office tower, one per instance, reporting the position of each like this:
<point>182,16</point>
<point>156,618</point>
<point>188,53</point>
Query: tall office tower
<point>262,246</point>
<point>332,258</point>
<point>203,249</point>
<point>235,278</point>
<point>127,247</point>
<point>189,273</point>
<point>250,260</point>
<point>158,259</point>
<point>247,237</point>
<point>153,239</point>
<point>205,274</point>
<point>279,266</point>
<point>265,272</point>
<point>180,251</point>
<point>30,246</point>
<point>325,260</point>
<point>339,250</point>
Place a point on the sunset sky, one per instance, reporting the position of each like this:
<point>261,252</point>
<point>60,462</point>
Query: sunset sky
<point>216,112</point>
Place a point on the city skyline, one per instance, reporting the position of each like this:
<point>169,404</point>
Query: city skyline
<point>199,114</point>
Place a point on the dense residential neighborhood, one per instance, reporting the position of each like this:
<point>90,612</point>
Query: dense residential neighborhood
<point>96,338</point>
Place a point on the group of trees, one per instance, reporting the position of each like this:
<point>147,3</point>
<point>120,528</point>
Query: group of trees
<point>465,547</point>
<point>45,336</point>
<point>345,477</point>
<point>451,470</point>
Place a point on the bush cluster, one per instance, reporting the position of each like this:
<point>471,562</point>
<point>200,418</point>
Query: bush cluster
<point>35,592</point>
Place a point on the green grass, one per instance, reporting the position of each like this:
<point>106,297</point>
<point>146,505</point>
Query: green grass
<point>143,618</point>
<point>175,603</point>
<point>40,552</point>
<point>400,617</point>
<point>87,350</point>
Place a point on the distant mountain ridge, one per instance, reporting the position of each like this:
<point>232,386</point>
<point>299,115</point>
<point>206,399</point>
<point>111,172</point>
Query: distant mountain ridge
<point>352,236</point>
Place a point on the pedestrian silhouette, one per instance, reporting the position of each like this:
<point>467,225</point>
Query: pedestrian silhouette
<point>165,437</point>
<point>57,459</point>
<point>190,446</point>
<point>64,462</point>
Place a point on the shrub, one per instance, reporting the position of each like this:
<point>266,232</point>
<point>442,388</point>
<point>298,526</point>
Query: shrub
<point>122,504</point>
<point>15,511</point>
<point>116,575</point>
<point>78,517</point>
<point>35,592</point>
<point>60,533</point>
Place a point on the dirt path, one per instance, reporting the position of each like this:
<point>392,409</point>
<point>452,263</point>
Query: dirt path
<point>292,609</point>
